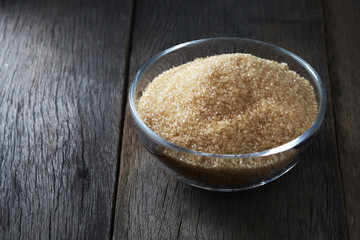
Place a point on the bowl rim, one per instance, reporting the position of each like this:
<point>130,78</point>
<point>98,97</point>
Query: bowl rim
<point>287,146</point>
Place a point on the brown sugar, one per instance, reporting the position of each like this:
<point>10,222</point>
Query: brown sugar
<point>229,104</point>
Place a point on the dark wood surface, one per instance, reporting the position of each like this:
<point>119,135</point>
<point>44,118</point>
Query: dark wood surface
<point>71,166</point>
<point>62,74</point>
<point>343,38</point>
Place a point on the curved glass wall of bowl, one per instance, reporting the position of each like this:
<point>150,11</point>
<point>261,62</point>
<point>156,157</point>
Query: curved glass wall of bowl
<point>221,172</point>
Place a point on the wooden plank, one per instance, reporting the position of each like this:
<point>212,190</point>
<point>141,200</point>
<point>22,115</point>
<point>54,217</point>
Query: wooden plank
<point>343,37</point>
<point>306,203</point>
<point>62,66</point>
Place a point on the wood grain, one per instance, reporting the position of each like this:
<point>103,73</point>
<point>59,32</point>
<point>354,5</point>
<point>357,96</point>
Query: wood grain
<point>62,69</point>
<point>343,37</point>
<point>306,203</point>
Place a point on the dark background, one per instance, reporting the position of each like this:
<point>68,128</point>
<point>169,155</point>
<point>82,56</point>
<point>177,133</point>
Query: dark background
<point>71,166</point>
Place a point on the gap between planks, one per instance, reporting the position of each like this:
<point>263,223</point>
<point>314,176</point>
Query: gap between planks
<point>122,119</point>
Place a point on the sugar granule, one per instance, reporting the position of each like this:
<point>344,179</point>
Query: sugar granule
<point>229,104</point>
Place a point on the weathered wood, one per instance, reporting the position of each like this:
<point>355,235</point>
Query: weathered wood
<point>306,203</point>
<point>343,37</point>
<point>62,69</point>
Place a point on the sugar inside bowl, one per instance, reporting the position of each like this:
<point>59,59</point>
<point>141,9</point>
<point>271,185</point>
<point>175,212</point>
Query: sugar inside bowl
<point>226,114</point>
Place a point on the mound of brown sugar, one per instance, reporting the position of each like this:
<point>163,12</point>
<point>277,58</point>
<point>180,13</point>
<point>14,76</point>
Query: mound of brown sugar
<point>229,104</point>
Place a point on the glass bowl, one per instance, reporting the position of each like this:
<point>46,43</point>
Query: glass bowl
<point>223,172</point>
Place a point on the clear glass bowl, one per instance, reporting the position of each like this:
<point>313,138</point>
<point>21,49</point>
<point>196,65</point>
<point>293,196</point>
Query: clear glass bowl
<point>222,172</point>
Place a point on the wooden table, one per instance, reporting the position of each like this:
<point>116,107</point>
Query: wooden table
<point>71,166</point>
